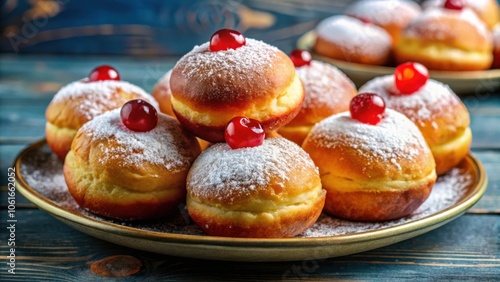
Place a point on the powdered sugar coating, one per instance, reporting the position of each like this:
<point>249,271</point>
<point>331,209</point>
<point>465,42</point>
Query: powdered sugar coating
<point>220,170</point>
<point>354,36</point>
<point>42,170</point>
<point>421,106</point>
<point>394,138</point>
<point>164,145</point>
<point>384,12</point>
<point>97,95</point>
<point>440,28</point>
<point>233,66</point>
<point>476,5</point>
<point>325,86</point>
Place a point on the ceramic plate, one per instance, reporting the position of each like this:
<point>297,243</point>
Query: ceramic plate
<point>40,179</point>
<point>462,82</point>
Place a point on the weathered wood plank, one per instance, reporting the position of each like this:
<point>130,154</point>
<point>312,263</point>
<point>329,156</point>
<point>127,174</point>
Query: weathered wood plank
<point>465,249</point>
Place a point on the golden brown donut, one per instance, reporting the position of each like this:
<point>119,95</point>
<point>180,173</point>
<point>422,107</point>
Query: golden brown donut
<point>439,114</point>
<point>255,80</point>
<point>81,101</point>
<point>328,91</point>
<point>443,39</point>
<point>162,93</point>
<point>268,191</point>
<point>391,15</point>
<point>118,173</point>
<point>487,10</point>
<point>496,47</point>
<point>349,39</point>
<point>371,172</point>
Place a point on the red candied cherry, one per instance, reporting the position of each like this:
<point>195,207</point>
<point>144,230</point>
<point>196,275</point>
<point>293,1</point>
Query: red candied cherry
<point>225,39</point>
<point>367,108</point>
<point>104,72</point>
<point>139,115</point>
<point>300,58</point>
<point>244,132</point>
<point>409,77</point>
<point>454,4</point>
<point>365,20</point>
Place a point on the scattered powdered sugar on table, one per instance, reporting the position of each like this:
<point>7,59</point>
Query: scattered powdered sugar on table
<point>42,171</point>
<point>354,36</point>
<point>166,144</point>
<point>98,95</point>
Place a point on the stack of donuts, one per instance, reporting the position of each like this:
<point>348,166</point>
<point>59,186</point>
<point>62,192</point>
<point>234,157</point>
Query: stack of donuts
<point>450,35</point>
<point>257,143</point>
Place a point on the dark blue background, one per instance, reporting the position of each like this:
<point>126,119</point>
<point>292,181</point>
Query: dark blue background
<point>151,27</point>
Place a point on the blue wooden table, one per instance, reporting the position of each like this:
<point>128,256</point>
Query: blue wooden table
<point>47,250</point>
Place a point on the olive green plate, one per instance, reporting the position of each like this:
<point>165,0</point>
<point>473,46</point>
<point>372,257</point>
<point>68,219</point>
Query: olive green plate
<point>462,82</point>
<point>40,175</point>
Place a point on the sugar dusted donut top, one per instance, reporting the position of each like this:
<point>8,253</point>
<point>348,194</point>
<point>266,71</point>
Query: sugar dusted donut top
<point>165,145</point>
<point>384,12</point>
<point>220,171</point>
<point>355,36</point>
<point>327,89</point>
<point>97,97</point>
<point>234,77</point>
<point>422,107</point>
<point>435,23</point>
<point>393,139</point>
<point>476,5</point>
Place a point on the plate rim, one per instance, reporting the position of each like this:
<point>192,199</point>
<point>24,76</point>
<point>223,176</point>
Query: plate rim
<point>445,216</point>
<point>306,40</point>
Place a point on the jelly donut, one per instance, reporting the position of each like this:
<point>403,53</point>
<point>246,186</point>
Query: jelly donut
<point>392,15</point>
<point>487,10</point>
<point>446,39</point>
<point>349,39</point>
<point>233,76</point>
<point>81,101</point>
<point>371,170</point>
<point>271,190</point>
<point>328,91</point>
<point>117,172</point>
<point>162,93</point>
<point>437,111</point>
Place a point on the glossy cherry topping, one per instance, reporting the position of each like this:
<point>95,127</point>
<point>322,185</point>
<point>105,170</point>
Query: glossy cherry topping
<point>225,39</point>
<point>300,58</point>
<point>410,77</point>
<point>367,108</point>
<point>454,4</point>
<point>244,132</point>
<point>104,72</point>
<point>139,115</point>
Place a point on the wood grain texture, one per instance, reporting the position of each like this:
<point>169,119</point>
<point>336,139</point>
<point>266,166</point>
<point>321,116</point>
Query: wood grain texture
<point>47,250</point>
